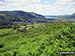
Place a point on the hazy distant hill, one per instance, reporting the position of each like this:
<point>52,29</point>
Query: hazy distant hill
<point>73,15</point>
<point>18,15</point>
<point>61,16</point>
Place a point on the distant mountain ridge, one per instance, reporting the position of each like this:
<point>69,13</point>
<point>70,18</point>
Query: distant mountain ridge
<point>19,15</point>
<point>73,15</point>
<point>61,16</point>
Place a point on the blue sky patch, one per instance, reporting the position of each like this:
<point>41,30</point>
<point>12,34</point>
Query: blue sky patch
<point>2,1</point>
<point>51,2</point>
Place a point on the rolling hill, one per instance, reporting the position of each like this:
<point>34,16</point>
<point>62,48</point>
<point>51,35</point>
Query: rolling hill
<point>18,15</point>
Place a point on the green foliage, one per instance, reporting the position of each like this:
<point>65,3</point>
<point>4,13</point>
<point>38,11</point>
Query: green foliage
<point>44,40</point>
<point>2,31</point>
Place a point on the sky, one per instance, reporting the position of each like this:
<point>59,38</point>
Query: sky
<point>44,7</point>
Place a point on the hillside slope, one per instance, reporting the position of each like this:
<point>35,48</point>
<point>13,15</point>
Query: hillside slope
<point>44,40</point>
<point>18,15</point>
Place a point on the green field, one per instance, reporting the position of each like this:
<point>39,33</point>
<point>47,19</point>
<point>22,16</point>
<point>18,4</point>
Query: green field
<point>43,40</point>
<point>2,31</point>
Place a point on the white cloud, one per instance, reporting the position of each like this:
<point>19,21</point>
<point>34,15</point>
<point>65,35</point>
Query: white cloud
<point>64,1</point>
<point>59,7</point>
<point>1,3</point>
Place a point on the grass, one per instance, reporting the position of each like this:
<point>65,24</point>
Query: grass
<point>2,31</point>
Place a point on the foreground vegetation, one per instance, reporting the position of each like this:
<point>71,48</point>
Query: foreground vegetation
<point>44,40</point>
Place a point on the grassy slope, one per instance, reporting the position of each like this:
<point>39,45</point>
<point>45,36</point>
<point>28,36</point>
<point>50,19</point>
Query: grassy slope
<point>2,31</point>
<point>46,40</point>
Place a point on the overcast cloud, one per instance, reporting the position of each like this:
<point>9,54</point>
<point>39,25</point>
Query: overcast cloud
<point>45,7</point>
